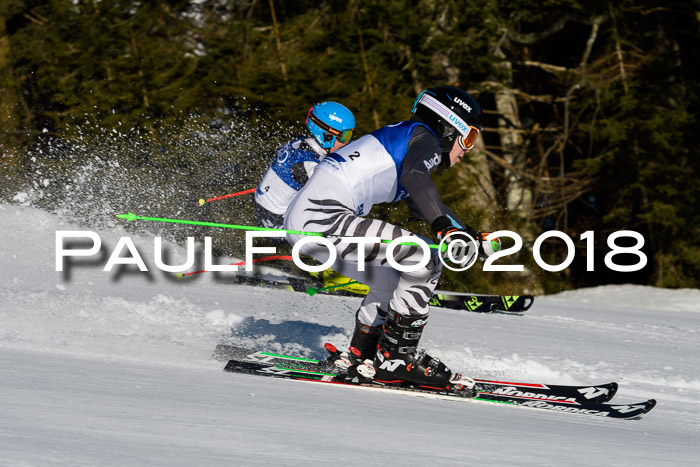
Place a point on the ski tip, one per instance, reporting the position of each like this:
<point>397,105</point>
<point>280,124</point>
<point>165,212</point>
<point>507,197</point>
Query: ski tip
<point>635,411</point>
<point>201,202</point>
<point>528,300</point>
<point>651,403</point>
<point>613,390</point>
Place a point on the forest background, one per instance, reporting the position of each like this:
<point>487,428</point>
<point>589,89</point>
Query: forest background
<point>109,106</point>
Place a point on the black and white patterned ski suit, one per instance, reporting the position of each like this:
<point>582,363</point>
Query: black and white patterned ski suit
<point>388,165</point>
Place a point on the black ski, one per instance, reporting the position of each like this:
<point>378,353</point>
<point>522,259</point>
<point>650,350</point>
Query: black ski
<point>482,303</point>
<point>290,370</point>
<point>597,394</point>
<point>486,387</point>
<point>479,303</point>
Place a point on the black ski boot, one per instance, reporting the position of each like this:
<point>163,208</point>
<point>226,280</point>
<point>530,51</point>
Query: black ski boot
<point>363,346</point>
<point>398,359</point>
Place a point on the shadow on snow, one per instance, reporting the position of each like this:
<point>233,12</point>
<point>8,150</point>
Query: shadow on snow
<point>298,338</point>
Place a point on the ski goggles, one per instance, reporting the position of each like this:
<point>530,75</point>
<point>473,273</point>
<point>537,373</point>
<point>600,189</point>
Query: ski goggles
<point>467,141</point>
<point>343,135</point>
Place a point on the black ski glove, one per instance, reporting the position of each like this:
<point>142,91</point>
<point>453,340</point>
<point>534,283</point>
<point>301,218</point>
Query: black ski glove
<point>459,244</point>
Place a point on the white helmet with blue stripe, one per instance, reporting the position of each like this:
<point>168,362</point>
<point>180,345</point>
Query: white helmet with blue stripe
<point>330,121</point>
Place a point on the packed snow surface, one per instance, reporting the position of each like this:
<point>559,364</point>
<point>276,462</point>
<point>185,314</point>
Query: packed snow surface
<point>115,368</point>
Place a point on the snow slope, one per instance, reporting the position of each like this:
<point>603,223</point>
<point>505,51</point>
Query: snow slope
<point>115,368</point>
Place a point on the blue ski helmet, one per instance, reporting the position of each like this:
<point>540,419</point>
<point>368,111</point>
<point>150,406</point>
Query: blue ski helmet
<point>329,120</point>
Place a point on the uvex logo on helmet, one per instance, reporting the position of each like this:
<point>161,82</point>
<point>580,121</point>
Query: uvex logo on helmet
<point>457,122</point>
<point>335,118</point>
<point>466,106</point>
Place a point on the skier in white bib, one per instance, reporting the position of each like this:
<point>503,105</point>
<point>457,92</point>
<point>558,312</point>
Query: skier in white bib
<point>389,165</point>
<point>331,126</point>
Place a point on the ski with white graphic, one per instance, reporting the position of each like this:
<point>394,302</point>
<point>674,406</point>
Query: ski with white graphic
<point>488,388</point>
<point>292,371</point>
<point>478,303</point>
<point>599,393</point>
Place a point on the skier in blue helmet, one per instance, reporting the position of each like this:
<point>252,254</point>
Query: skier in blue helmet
<point>331,126</point>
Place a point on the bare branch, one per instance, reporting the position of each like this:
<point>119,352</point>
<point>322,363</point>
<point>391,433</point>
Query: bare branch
<point>546,66</point>
<point>591,40</point>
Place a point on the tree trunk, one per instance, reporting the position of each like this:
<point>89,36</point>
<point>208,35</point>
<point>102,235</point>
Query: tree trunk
<point>484,197</point>
<point>518,194</point>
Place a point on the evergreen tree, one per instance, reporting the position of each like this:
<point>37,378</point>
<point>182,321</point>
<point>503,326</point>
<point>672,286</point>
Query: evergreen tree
<point>590,108</point>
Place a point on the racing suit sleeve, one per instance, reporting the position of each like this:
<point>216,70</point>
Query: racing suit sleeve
<point>300,173</point>
<point>422,157</point>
